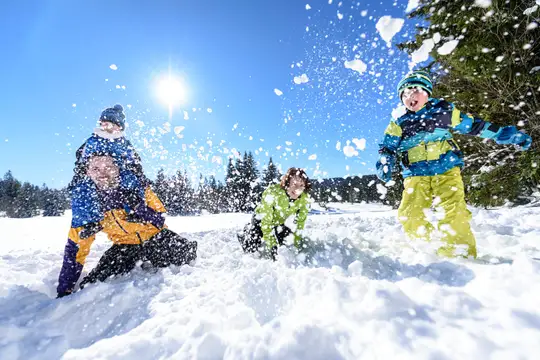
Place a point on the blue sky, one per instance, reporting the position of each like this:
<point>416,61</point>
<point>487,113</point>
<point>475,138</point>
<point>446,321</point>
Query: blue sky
<point>231,55</point>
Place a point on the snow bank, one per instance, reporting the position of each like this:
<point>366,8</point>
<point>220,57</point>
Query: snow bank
<point>366,293</point>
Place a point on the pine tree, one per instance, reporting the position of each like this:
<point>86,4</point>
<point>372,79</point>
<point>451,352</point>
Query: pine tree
<point>271,174</point>
<point>9,190</point>
<point>26,203</point>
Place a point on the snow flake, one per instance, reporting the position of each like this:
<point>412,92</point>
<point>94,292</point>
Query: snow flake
<point>113,67</point>
<point>312,157</point>
<point>278,92</point>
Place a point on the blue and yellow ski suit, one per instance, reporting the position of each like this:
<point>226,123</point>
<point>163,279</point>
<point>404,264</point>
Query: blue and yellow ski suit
<point>431,168</point>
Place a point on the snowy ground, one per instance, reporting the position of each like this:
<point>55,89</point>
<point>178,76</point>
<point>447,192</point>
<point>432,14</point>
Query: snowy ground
<point>377,297</point>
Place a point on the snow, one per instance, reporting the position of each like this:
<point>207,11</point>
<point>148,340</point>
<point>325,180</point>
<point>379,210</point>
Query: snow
<point>356,65</point>
<point>482,3</point>
<point>308,7</point>
<point>448,47</point>
<point>413,4</point>
<point>532,9</point>
<point>422,54</point>
<point>302,79</point>
<point>178,131</point>
<point>360,143</point>
<point>278,92</point>
<point>349,150</point>
<point>371,294</point>
<point>388,27</point>
<point>399,111</point>
<point>312,157</point>
<point>113,67</point>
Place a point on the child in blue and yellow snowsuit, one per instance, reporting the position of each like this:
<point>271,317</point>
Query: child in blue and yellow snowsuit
<point>432,162</point>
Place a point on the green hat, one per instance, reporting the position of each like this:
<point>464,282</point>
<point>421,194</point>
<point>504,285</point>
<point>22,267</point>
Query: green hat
<point>419,79</point>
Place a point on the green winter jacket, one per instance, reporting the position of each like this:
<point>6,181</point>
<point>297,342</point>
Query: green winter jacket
<point>276,207</point>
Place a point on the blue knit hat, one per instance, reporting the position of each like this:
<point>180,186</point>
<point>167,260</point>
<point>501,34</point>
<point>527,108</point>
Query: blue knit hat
<point>114,115</point>
<point>419,79</point>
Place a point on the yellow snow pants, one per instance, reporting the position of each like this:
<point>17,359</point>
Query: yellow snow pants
<point>447,192</point>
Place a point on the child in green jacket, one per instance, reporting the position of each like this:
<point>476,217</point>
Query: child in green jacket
<point>280,216</point>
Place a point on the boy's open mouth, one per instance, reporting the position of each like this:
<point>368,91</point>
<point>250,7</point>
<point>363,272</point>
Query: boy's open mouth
<point>413,103</point>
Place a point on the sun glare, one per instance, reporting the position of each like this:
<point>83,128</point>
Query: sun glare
<point>171,91</point>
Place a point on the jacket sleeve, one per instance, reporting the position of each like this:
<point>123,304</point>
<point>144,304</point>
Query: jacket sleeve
<point>387,151</point>
<point>467,124</point>
<point>265,212</point>
<point>75,254</point>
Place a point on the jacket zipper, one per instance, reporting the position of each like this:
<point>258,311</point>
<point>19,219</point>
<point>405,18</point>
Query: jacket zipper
<point>117,222</point>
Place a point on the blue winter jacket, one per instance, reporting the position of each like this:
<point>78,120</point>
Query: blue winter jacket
<point>85,207</point>
<point>425,141</point>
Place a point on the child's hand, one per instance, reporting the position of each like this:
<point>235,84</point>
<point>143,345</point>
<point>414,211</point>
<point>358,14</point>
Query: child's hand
<point>522,140</point>
<point>384,167</point>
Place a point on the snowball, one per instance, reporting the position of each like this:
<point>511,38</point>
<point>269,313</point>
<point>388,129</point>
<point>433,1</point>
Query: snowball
<point>356,65</point>
<point>448,47</point>
<point>388,27</point>
<point>302,79</point>
<point>413,4</point>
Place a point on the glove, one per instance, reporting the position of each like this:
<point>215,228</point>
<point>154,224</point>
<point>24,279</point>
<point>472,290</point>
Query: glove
<point>144,214</point>
<point>89,230</point>
<point>522,140</point>
<point>62,294</point>
<point>511,135</point>
<point>384,167</point>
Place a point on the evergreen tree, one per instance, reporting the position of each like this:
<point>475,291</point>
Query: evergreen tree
<point>26,203</point>
<point>271,174</point>
<point>9,189</point>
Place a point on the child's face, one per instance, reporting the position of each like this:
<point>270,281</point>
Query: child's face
<point>110,127</point>
<point>296,187</point>
<point>414,98</point>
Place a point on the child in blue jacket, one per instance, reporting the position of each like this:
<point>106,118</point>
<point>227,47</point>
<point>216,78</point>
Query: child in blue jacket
<point>432,161</point>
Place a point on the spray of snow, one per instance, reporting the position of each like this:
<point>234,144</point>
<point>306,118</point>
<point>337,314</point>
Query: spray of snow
<point>399,111</point>
<point>422,54</point>
<point>302,79</point>
<point>413,4</point>
<point>448,47</point>
<point>356,65</point>
<point>360,143</point>
<point>349,150</point>
<point>388,27</point>
<point>178,131</point>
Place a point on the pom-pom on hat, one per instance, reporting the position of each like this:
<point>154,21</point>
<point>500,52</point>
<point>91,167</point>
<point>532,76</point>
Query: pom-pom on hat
<point>114,115</point>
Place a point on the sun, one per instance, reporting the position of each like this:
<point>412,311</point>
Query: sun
<point>171,91</point>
